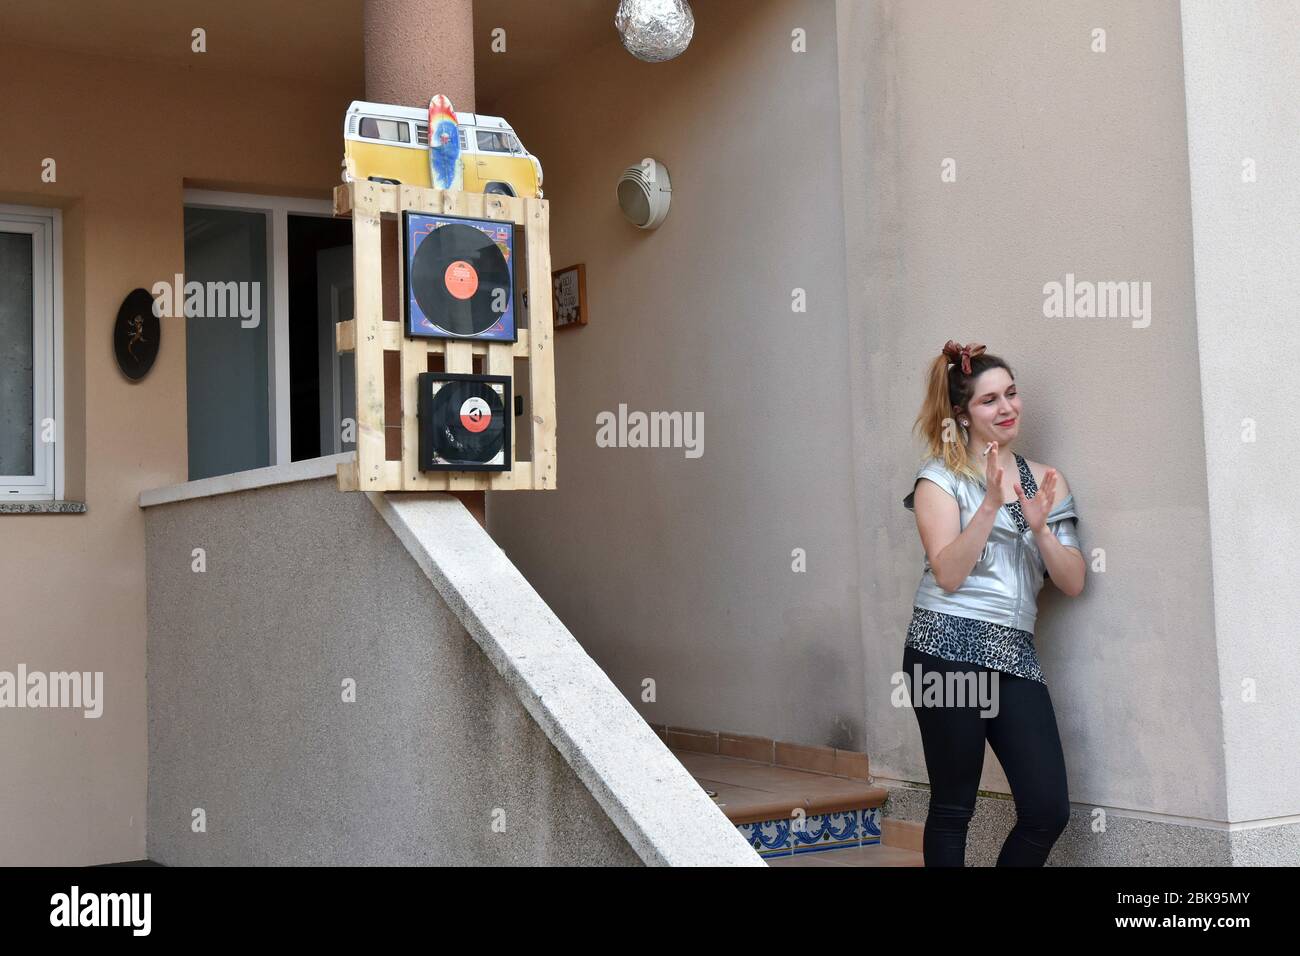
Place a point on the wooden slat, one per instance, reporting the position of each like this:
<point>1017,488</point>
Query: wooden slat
<point>499,359</point>
<point>489,206</point>
<point>460,361</point>
<point>343,199</point>
<point>346,473</point>
<point>459,357</point>
<point>519,477</point>
<point>391,337</point>
<point>541,362</point>
<point>366,265</point>
<point>415,358</point>
<point>345,336</point>
<point>385,199</point>
<point>391,476</point>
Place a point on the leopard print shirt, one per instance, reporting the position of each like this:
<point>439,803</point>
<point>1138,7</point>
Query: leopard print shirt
<point>984,643</point>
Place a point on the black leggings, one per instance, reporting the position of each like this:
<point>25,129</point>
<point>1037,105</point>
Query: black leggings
<point>1024,737</point>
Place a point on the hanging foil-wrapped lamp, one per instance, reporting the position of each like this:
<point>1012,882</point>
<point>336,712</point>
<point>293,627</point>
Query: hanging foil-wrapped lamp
<point>655,30</point>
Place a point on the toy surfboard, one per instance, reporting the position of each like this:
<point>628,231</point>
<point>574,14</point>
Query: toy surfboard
<point>444,145</point>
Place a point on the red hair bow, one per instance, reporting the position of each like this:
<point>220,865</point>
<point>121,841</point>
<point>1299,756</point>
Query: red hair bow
<point>964,353</point>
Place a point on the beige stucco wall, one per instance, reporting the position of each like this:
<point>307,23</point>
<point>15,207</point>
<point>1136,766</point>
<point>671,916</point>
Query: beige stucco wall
<point>1068,161</point>
<point>679,569</point>
<point>127,136</point>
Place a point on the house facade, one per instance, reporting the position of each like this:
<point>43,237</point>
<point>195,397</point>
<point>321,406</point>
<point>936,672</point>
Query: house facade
<point>853,183</point>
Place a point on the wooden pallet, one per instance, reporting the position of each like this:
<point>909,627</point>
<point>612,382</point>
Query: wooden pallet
<point>372,333</point>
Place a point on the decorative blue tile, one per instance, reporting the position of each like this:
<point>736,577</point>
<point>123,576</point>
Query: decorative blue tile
<point>870,826</point>
<point>830,831</point>
<point>821,831</point>
<point>768,838</point>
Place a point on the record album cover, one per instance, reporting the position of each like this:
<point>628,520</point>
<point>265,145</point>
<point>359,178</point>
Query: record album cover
<point>458,275</point>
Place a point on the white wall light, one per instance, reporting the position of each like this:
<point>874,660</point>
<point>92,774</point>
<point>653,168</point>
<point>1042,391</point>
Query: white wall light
<point>644,193</point>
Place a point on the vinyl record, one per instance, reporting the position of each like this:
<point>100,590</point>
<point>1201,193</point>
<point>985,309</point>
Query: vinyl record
<point>469,422</point>
<point>457,274</point>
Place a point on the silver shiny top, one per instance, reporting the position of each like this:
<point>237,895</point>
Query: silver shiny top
<point>1003,585</point>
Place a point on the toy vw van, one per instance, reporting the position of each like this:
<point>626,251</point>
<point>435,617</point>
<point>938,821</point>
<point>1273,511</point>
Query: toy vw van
<point>390,144</point>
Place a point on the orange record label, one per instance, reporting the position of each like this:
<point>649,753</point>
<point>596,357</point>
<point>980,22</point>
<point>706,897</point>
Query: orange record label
<point>461,279</point>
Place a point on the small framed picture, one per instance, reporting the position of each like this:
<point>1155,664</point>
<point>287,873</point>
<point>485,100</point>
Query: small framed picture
<point>569,290</point>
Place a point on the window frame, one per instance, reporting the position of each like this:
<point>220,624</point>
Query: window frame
<point>411,130</point>
<point>276,211</point>
<point>404,125</point>
<point>493,131</point>
<point>46,227</point>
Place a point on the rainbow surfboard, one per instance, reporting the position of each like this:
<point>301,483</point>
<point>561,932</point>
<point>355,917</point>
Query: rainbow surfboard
<point>445,171</point>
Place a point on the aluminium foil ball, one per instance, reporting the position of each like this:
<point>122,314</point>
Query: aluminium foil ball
<point>655,30</point>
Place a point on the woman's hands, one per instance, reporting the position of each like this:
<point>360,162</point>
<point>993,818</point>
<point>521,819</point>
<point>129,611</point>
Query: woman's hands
<point>992,480</point>
<point>1037,508</point>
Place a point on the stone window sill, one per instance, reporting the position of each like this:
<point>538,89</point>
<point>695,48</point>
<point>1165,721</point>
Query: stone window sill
<point>42,507</point>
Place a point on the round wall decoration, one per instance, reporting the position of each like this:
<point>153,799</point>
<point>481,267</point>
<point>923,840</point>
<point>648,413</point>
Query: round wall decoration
<point>137,334</point>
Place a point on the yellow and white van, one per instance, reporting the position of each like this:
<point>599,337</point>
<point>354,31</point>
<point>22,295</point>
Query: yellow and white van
<point>387,143</point>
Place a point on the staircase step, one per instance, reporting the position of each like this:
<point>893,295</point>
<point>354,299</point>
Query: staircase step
<point>762,799</point>
<point>749,791</point>
<point>874,855</point>
<point>903,834</point>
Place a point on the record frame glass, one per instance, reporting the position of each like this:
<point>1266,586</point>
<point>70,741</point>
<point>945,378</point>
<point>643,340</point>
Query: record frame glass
<point>417,226</point>
<point>428,428</point>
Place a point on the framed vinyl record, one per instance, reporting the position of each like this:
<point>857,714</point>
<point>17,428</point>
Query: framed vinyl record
<point>459,277</point>
<point>464,422</point>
